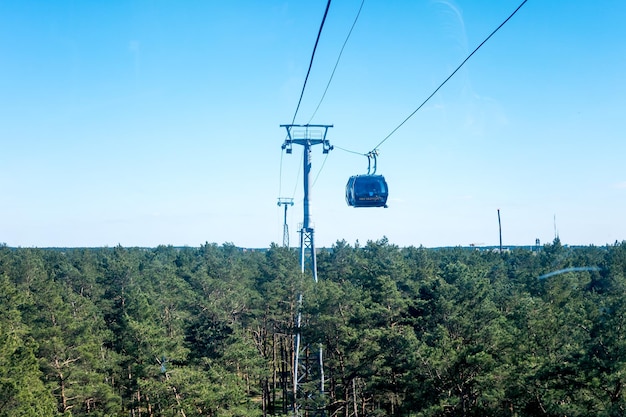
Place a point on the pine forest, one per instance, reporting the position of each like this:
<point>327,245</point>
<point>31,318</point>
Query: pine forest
<point>210,331</point>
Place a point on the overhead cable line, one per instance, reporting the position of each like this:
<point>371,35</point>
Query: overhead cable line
<point>447,79</point>
<point>349,151</point>
<point>295,185</point>
<point>331,79</point>
<point>303,88</point>
<point>337,63</point>
<point>280,173</point>
<point>311,62</point>
<point>320,170</point>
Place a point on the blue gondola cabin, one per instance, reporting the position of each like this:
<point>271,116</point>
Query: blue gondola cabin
<point>367,191</point>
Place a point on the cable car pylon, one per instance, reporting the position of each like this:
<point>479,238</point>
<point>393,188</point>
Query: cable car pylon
<point>286,202</point>
<point>306,135</point>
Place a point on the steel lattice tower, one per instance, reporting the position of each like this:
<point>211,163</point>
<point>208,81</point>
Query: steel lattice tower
<point>285,202</point>
<point>307,136</point>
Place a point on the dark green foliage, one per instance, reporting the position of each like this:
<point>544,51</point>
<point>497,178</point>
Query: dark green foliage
<point>209,331</point>
<point>22,391</point>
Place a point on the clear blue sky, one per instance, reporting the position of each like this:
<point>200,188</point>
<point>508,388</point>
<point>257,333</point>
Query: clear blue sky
<point>157,122</point>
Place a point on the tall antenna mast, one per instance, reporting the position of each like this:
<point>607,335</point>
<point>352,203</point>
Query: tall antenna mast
<point>307,136</point>
<point>556,232</point>
<point>285,202</point>
<point>500,230</point>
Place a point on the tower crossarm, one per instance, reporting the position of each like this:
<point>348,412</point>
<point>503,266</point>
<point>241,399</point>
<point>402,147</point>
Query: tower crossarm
<point>307,135</point>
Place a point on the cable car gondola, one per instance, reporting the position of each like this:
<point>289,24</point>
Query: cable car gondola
<point>368,190</point>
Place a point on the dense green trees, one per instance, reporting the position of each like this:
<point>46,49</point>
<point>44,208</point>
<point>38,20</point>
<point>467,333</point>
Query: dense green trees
<point>404,331</point>
<point>22,391</point>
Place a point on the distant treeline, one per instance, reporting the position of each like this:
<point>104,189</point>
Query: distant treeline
<point>209,331</point>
